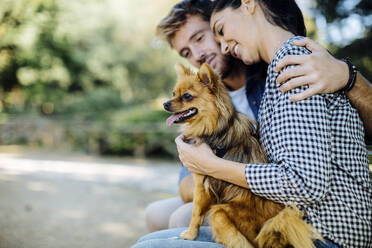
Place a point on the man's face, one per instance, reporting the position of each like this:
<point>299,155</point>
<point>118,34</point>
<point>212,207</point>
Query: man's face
<point>195,42</point>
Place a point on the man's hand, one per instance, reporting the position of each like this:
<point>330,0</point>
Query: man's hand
<point>320,70</point>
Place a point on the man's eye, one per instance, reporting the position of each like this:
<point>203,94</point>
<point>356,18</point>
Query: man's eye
<point>200,38</point>
<point>187,97</point>
<point>185,54</point>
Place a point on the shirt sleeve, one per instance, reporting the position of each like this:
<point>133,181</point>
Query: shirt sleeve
<point>300,137</point>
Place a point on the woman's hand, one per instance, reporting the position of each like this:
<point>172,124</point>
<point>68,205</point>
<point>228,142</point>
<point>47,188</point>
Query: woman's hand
<point>197,158</point>
<point>320,70</point>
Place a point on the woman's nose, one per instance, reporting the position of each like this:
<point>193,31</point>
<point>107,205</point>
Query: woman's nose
<point>224,48</point>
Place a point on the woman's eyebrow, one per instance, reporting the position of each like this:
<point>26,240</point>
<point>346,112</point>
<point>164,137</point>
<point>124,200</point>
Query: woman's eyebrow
<point>214,28</point>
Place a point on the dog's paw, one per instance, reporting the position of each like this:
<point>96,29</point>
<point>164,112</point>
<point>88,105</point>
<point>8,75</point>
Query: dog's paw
<point>189,234</point>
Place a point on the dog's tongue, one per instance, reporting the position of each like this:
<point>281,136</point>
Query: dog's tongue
<point>173,118</point>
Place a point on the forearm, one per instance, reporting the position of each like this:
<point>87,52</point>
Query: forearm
<point>279,183</point>
<point>360,97</point>
<point>229,171</point>
<point>187,188</point>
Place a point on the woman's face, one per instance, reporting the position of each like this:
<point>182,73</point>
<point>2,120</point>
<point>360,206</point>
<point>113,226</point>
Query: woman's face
<point>236,31</point>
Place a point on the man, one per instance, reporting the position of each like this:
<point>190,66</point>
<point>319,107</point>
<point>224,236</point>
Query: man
<point>187,30</point>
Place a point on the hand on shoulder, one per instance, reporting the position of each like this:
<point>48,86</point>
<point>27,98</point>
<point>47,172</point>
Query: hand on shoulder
<point>320,70</point>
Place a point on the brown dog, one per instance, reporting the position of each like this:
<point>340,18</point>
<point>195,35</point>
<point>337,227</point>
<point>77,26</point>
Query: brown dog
<point>237,216</point>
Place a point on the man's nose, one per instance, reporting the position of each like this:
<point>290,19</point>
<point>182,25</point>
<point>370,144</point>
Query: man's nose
<point>201,57</point>
<point>224,48</point>
<point>167,105</point>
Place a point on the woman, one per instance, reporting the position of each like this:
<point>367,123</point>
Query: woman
<point>316,147</point>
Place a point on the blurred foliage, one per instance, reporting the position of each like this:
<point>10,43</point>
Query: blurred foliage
<point>359,50</point>
<point>85,75</point>
<point>113,132</point>
<point>50,50</point>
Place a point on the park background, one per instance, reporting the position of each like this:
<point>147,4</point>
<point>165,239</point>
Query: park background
<point>83,81</point>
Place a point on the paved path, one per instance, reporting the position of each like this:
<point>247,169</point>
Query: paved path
<point>71,202</point>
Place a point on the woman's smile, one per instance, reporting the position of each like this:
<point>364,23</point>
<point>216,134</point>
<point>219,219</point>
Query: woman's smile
<point>234,51</point>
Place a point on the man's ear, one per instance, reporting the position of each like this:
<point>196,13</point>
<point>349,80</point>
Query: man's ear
<point>207,76</point>
<point>181,70</point>
<point>249,5</point>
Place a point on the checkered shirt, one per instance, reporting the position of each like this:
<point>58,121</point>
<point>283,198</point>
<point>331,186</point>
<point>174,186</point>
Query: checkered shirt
<point>318,159</point>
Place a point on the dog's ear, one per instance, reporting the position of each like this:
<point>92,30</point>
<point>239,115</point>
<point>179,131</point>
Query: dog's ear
<point>207,76</point>
<point>181,70</point>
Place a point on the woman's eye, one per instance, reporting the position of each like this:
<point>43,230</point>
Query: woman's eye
<point>199,38</point>
<point>220,31</point>
<point>187,97</point>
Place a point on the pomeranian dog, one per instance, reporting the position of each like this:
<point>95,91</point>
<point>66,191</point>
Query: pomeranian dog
<point>238,217</point>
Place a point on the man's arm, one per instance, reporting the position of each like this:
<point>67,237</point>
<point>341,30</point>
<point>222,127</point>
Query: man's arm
<point>187,188</point>
<point>324,74</point>
<point>361,98</point>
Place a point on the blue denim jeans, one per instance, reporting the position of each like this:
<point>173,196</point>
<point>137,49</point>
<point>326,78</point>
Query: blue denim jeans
<point>171,238</point>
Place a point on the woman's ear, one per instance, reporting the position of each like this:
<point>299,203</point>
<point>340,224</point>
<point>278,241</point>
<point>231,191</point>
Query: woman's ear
<point>250,5</point>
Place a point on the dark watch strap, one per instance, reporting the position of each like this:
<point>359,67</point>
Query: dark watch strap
<point>352,77</point>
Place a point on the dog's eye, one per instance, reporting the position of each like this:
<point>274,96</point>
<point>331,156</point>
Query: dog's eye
<point>187,97</point>
<point>173,94</point>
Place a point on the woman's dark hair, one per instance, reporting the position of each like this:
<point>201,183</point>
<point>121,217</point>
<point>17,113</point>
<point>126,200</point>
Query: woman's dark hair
<point>283,13</point>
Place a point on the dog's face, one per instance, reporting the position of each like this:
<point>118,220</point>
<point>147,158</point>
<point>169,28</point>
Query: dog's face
<point>194,98</point>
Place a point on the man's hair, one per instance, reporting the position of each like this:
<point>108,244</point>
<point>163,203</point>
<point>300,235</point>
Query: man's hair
<point>178,15</point>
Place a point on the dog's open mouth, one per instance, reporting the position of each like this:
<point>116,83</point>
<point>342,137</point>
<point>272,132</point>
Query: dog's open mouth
<point>181,116</point>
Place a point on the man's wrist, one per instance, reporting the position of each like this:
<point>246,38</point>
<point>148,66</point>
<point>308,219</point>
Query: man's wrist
<point>351,78</point>
<point>344,70</point>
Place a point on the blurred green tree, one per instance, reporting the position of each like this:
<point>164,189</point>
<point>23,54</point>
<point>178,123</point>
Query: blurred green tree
<point>338,14</point>
<point>51,50</point>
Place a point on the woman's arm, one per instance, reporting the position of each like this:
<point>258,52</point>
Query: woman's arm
<point>201,160</point>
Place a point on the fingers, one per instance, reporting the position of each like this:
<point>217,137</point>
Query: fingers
<point>311,91</point>
<point>309,44</point>
<point>294,83</point>
<point>290,60</point>
<point>179,140</point>
<point>189,166</point>
<point>290,73</point>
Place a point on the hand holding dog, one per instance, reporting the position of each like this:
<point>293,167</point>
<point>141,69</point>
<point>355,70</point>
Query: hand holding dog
<point>196,158</point>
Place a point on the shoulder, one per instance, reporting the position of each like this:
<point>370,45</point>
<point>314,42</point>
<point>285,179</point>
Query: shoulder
<point>286,49</point>
<point>289,49</point>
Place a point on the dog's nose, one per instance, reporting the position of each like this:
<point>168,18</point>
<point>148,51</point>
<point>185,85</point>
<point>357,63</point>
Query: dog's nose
<point>167,105</point>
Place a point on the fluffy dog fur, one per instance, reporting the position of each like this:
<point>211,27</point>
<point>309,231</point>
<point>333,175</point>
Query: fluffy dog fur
<point>238,217</point>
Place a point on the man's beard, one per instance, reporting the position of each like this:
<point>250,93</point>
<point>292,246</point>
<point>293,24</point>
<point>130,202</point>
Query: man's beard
<point>229,63</point>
